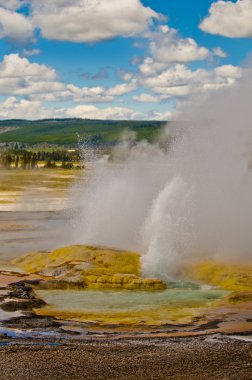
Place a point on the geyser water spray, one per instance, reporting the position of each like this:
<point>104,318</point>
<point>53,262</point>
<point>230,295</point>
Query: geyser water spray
<point>186,197</point>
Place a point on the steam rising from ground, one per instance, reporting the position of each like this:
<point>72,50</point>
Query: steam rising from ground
<point>186,197</point>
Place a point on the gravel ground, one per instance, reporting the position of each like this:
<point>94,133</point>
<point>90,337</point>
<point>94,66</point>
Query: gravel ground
<point>181,359</point>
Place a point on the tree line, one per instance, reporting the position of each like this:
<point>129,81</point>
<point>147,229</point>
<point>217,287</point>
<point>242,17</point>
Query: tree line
<point>27,159</point>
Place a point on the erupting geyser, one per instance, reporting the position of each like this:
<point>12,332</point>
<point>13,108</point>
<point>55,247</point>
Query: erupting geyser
<point>186,197</point>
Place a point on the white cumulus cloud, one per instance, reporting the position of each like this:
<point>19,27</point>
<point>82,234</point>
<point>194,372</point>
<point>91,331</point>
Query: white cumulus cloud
<point>15,26</point>
<point>167,74</point>
<point>179,80</point>
<point>12,4</point>
<point>229,19</point>
<point>20,77</point>
<point>109,113</point>
<point>159,116</point>
<point>146,98</point>
<point>90,20</point>
<point>121,89</point>
<point>13,108</point>
<point>219,52</point>
<point>168,46</point>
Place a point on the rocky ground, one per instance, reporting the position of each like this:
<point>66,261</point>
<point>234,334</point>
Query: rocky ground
<point>201,358</point>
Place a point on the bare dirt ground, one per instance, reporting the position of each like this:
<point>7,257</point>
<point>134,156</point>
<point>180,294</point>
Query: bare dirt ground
<point>201,358</point>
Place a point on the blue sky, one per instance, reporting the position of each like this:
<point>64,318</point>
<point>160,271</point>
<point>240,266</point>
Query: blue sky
<point>119,60</point>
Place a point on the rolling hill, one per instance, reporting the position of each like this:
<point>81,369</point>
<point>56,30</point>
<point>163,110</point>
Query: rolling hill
<point>70,131</point>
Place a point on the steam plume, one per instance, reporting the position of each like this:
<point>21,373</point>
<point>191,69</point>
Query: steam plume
<point>186,197</point>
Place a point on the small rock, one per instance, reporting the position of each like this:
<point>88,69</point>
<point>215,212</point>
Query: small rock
<point>10,306</point>
<point>20,290</point>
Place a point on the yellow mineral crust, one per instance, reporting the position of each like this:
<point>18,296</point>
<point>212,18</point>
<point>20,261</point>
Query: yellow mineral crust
<point>160,316</point>
<point>227,276</point>
<point>88,266</point>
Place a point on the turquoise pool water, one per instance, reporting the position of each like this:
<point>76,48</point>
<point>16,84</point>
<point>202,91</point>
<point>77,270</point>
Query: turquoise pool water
<point>157,307</point>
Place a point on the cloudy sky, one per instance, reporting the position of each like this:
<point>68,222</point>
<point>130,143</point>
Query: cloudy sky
<point>115,59</point>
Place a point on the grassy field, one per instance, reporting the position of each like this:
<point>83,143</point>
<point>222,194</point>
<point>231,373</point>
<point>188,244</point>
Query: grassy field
<point>71,131</point>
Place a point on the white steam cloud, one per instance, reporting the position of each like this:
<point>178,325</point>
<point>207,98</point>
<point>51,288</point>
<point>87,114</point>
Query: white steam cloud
<point>186,197</point>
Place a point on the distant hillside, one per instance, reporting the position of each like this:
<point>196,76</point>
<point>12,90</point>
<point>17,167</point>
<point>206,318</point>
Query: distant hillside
<point>69,131</point>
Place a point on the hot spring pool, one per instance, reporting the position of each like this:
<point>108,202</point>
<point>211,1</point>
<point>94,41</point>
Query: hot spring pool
<point>178,305</point>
